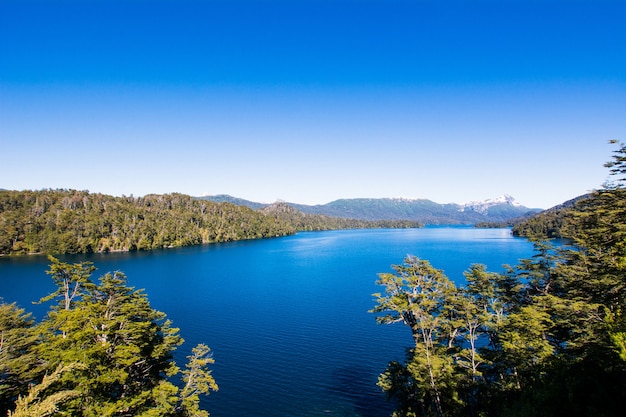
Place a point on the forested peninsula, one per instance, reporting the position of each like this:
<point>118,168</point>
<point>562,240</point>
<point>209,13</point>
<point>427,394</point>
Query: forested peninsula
<point>71,221</point>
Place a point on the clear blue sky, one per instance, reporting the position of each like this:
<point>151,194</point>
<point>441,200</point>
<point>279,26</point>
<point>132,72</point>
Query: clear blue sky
<point>310,101</point>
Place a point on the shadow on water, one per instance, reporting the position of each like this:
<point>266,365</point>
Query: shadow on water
<point>357,385</point>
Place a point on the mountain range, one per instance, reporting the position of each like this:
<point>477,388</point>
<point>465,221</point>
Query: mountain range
<point>424,211</point>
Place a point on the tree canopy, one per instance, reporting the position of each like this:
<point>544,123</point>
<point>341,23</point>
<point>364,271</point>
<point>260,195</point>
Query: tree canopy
<point>545,338</point>
<point>70,221</point>
<point>102,350</point>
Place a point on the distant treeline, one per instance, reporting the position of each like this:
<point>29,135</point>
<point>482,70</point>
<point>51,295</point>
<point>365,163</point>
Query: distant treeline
<point>312,222</point>
<point>493,225</point>
<point>71,221</point>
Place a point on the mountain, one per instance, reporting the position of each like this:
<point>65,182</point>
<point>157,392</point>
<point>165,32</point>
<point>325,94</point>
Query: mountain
<point>225,198</point>
<point>483,207</point>
<point>421,210</point>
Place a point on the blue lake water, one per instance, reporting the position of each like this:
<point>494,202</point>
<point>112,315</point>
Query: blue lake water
<point>287,319</point>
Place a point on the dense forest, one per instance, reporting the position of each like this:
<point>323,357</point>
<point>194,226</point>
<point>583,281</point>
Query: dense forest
<point>70,221</point>
<point>545,338</point>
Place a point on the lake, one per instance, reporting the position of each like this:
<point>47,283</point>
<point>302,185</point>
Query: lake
<point>287,318</point>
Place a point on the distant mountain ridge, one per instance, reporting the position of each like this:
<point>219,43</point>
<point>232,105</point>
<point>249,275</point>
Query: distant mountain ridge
<point>422,210</point>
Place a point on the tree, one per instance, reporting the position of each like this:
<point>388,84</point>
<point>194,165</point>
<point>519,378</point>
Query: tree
<point>547,337</point>
<point>198,380</point>
<point>125,345</point>
<point>71,281</point>
<point>18,362</point>
<point>120,351</point>
<point>420,296</point>
<point>37,404</point>
<point>617,166</point>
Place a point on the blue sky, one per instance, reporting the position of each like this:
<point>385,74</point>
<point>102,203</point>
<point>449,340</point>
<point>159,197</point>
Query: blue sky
<point>311,101</point>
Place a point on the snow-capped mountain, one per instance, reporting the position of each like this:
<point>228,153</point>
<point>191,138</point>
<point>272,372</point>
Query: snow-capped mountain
<point>484,206</point>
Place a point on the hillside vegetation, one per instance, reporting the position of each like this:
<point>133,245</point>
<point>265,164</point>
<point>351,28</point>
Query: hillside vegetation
<point>550,223</point>
<point>310,222</point>
<point>70,221</point>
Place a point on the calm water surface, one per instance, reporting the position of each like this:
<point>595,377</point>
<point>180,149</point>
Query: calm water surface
<point>287,319</point>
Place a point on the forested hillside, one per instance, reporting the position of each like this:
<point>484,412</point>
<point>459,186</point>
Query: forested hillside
<point>70,221</point>
<point>309,222</point>
<point>549,223</point>
<point>545,338</point>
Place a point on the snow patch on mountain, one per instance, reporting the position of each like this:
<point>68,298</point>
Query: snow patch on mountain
<point>484,206</point>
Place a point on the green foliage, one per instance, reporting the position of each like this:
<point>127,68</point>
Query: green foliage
<point>546,337</point>
<point>198,380</point>
<point>72,281</point>
<point>70,221</point>
<point>617,334</point>
<point>503,343</point>
<point>617,166</point>
<point>547,224</point>
<point>565,220</point>
<point>422,298</point>
<point>493,225</point>
<point>17,342</point>
<point>315,222</point>
<point>107,351</point>
<point>37,404</point>
<point>125,345</point>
